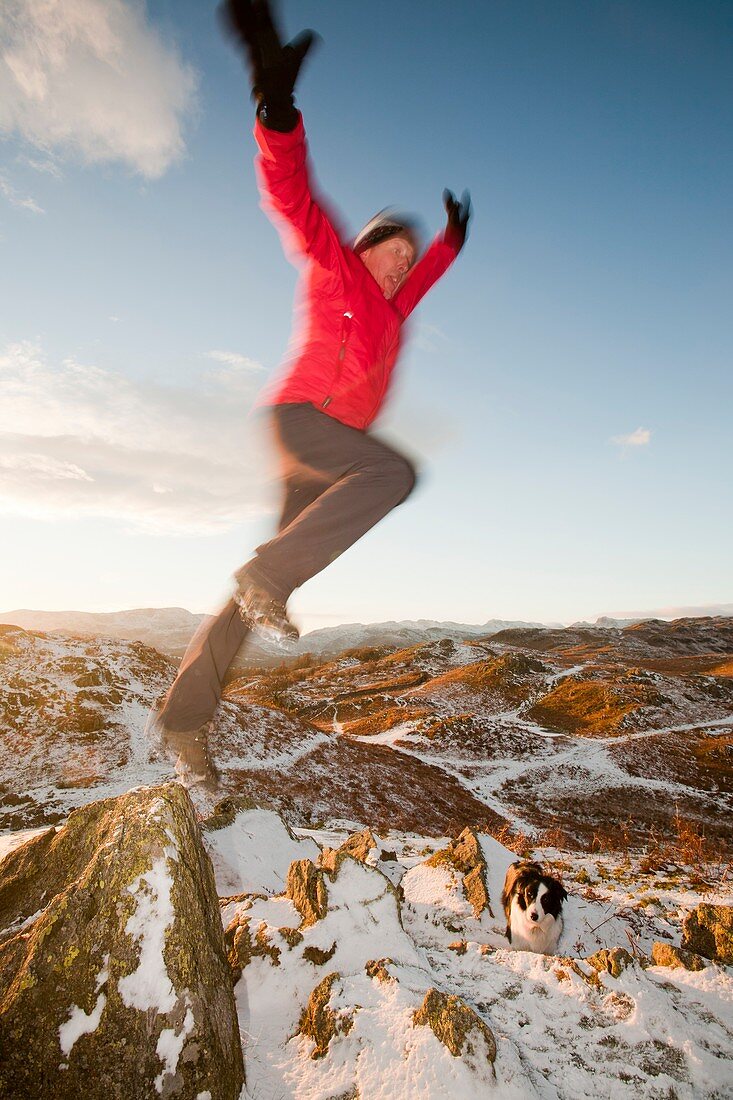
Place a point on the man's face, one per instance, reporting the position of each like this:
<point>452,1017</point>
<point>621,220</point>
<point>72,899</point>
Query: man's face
<point>388,262</point>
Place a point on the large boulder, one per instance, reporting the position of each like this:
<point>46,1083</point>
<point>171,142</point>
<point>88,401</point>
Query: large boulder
<point>113,978</point>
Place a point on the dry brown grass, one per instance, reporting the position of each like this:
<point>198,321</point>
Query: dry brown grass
<point>588,707</point>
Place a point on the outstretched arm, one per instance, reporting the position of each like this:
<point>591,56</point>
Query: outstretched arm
<point>282,166</point>
<point>439,256</point>
<point>273,67</point>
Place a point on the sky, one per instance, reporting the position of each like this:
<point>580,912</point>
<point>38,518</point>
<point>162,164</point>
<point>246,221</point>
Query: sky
<point>567,391</point>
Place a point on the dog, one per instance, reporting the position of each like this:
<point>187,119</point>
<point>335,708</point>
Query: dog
<point>532,902</point>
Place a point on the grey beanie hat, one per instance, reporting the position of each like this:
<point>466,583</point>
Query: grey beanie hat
<point>388,223</point>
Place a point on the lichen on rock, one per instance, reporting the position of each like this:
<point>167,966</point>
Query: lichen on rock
<point>456,1025</point>
<point>307,891</point>
<point>319,1022</point>
<point>708,930</point>
<point>120,985</point>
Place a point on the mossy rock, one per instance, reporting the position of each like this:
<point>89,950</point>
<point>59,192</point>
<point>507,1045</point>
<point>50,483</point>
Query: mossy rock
<point>664,954</point>
<point>114,951</point>
<point>307,891</point>
<point>455,1024</point>
<point>708,931</point>
<point>319,1022</point>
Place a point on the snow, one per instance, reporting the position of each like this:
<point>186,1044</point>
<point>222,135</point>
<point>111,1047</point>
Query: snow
<point>82,1023</point>
<point>561,1029</point>
<point>170,1046</point>
<point>149,987</point>
<point>254,852</point>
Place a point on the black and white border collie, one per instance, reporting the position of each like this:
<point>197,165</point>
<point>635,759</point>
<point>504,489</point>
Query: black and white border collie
<point>533,904</point>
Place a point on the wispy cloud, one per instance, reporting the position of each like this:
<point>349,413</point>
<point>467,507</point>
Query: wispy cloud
<point>22,202</point>
<point>93,77</point>
<point>639,438</point>
<point>79,440</point>
<point>234,359</point>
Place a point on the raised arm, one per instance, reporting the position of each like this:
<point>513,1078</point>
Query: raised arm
<point>439,256</point>
<point>282,164</point>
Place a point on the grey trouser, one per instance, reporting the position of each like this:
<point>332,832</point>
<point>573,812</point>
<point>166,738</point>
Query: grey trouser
<point>338,482</point>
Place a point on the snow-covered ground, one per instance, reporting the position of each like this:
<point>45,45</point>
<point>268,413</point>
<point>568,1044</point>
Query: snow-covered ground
<point>562,1029</point>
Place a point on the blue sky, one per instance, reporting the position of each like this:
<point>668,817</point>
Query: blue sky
<point>567,392</point>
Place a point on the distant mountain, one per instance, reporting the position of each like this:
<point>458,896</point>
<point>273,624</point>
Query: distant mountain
<point>169,630</point>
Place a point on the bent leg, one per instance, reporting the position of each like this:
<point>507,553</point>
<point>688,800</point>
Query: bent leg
<point>362,480</point>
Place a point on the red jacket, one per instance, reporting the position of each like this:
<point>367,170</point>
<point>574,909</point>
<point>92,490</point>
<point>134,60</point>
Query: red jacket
<point>347,347</point>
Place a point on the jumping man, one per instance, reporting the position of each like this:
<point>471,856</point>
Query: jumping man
<point>337,480</point>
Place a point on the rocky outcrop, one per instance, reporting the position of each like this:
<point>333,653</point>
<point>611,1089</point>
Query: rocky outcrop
<point>456,1025</point>
<point>241,947</point>
<point>113,977</point>
<point>676,958</point>
<point>708,931</point>
<point>377,968</point>
<point>358,846</point>
<point>319,1022</point>
<point>307,891</point>
<point>612,960</point>
<point>465,855</point>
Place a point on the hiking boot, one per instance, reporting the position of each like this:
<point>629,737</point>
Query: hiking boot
<point>193,760</point>
<point>263,612</point>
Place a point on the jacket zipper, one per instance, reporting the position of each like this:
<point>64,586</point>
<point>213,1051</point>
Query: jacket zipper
<point>345,330</point>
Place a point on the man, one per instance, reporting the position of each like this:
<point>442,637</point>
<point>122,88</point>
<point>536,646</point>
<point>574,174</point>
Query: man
<point>337,480</point>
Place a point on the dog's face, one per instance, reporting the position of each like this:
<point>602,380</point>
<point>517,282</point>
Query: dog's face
<point>541,899</point>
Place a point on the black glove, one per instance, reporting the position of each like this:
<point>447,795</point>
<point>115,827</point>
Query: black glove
<point>274,68</point>
<point>458,216</point>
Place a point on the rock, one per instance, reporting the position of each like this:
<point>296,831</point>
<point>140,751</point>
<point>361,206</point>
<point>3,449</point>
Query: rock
<point>113,978</point>
<point>708,931</point>
<point>238,944</point>
<point>241,948</point>
<point>318,956</point>
<point>613,961</point>
<point>455,1024</point>
<point>319,1022</point>
<point>307,891</point>
<point>466,856</point>
<point>664,954</point>
<point>459,946</point>
<point>466,851</point>
<point>476,891</point>
<point>291,936</point>
<point>358,846</point>
<point>226,810</point>
<point>377,968</point>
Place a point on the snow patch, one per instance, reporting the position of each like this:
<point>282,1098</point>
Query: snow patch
<point>149,987</point>
<point>253,854</point>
